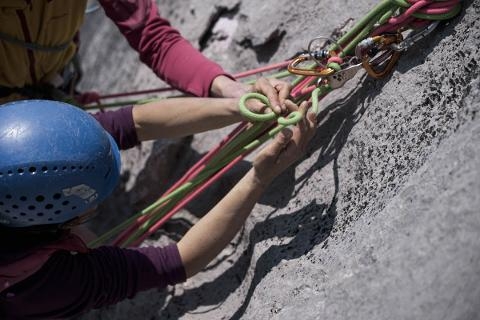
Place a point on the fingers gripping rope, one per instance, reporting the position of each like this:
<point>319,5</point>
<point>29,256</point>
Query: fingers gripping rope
<point>292,119</point>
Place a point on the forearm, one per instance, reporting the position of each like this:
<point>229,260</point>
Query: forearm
<point>177,117</point>
<point>162,47</point>
<point>207,238</point>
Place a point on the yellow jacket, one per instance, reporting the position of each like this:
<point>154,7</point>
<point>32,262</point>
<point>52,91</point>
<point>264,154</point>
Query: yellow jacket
<point>47,27</point>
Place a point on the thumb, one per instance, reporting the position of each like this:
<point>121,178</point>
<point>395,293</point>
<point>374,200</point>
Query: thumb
<point>271,152</point>
<point>281,141</point>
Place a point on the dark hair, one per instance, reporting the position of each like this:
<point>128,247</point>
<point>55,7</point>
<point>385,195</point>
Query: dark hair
<point>20,239</point>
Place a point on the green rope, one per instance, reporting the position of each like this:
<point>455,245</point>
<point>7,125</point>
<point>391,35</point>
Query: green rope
<point>379,9</point>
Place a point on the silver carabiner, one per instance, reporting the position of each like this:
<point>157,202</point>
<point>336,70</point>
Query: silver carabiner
<point>414,37</point>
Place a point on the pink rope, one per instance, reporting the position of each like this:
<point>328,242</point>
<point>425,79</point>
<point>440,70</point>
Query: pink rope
<point>388,27</point>
<point>279,65</point>
<point>420,6</point>
<point>398,20</point>
<point>434,10</point>
<point>442,4</point>
<point>335,59</point>
<point>439,7</point>
<point>307,90</point>
<point>297,90</point>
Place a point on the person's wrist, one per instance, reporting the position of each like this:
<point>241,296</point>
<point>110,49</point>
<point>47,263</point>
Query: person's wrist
<point>216,89</point>
<point>233,108</point>
<point>223,86</point>
<point>261,180</point>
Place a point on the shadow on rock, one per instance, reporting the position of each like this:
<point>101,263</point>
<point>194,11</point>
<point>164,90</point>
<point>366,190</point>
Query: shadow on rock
<point>308,226</point>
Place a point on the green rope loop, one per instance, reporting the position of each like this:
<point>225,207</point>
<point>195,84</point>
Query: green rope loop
<point>252,116</point>
<point>293,118</point>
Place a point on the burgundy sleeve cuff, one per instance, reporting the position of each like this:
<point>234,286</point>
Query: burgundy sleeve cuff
<point>189,70</point>
<point>167,262</point>
<point>120,125</point>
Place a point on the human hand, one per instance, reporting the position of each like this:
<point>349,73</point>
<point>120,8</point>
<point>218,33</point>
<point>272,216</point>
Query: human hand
<point>277,92</point>
<point>287,147</point>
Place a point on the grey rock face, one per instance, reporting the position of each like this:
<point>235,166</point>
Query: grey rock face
<point>380,221</point>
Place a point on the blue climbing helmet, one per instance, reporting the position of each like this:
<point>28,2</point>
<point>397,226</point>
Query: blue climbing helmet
<point>56,162</point>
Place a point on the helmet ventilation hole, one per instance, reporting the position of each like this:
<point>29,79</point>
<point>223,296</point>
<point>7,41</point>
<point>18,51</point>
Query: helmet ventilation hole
<point>40,214</point>
<point>23,198</point>
<point>65,202</point>
<point>20,171</point>
<point>58,212</point>
<point>31,208</point>
<point>40,198</point>
<point>57,196</point>
<point>49,206</point>
<point>44,169</point>
<point>32,170</point>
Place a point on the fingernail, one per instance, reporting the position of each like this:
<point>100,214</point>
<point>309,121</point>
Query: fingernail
<point>287,132</point>
<point>278,109</point>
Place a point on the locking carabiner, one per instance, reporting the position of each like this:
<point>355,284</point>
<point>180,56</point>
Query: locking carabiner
<point>378,66</point>
<point>315,71</point>
<point>317,54</point>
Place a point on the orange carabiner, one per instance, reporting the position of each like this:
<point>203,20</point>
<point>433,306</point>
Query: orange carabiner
<point>292,68</point>
<point>382,68</point>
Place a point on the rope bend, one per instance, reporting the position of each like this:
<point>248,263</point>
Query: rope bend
<point>292,119</point>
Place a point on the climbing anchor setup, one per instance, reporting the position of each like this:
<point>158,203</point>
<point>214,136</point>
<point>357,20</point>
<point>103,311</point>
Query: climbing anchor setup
<point>374,44</point>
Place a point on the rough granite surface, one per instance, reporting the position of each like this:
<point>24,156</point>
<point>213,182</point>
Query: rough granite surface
<point>381,220</point>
